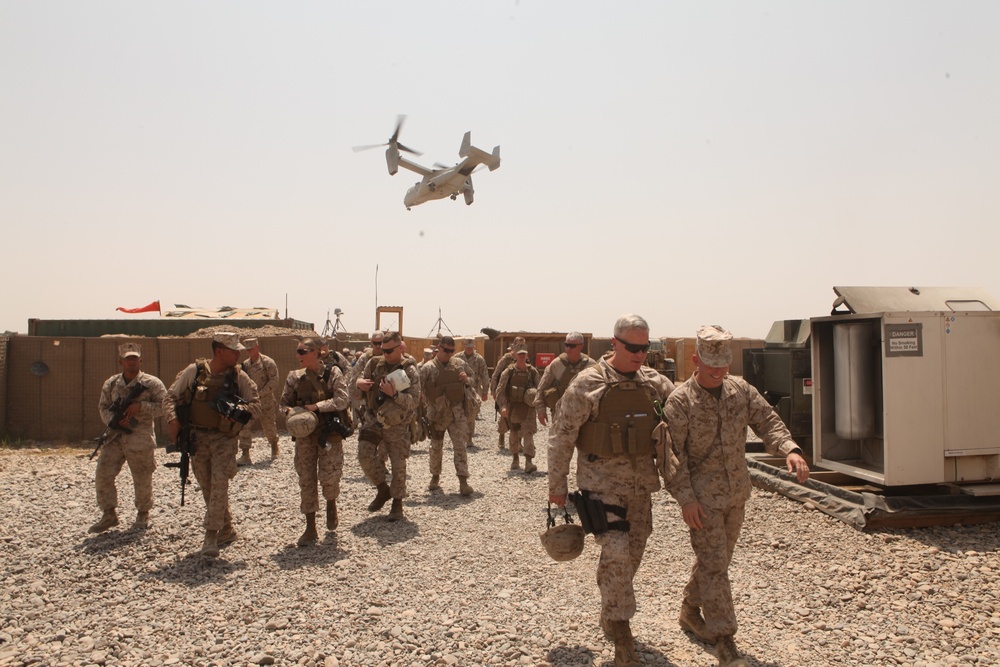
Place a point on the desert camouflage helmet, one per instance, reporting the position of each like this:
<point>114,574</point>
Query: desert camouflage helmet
<point>301,422</point>
<point>563,542</point>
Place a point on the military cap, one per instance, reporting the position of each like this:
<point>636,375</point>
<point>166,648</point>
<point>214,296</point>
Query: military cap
<point>470,340</point>
<point>129,350</point>
<point>428,351</point>
<point>250,343</point>
<point>713,346</point>
<point>229,339</point>
<point>521,350</point>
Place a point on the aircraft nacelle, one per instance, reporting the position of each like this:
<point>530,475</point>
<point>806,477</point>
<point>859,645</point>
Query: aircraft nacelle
<point>392,159</point>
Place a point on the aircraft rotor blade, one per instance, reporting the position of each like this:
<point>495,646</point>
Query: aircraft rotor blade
<point>408,150</point>
<point>369,146</point>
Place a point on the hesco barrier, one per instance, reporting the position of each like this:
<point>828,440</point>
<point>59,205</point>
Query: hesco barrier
<point>50,387</point>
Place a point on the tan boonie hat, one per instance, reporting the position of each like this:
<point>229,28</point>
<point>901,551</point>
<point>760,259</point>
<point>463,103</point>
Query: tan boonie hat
<point>129,350</point>
<point>229,339</point>
<point>713,346</point>
<point>250,343</point>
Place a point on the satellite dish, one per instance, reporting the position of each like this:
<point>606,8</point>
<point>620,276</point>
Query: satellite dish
<point>39,368</point>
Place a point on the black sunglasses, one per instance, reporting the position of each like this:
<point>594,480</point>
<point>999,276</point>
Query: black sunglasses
<point>634,348</point>
<point>573,344</point>
<point>377,344</point>
<point>448,350</point>
<point>302,351</point>
<point>390,350</point>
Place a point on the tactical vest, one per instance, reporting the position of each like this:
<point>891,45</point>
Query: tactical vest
<point>448,383</point>
<point>208,387</point>
<point>311,388</point>
<point>624,424</point>
<point>570,371</point>
<point>517,385</point>
<point>379,372</point>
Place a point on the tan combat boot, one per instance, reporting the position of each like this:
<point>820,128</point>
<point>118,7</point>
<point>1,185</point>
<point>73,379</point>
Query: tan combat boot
<point>245,459</point>
<point>227,535</point>
<point>435,483</point>
<point>529,467</point>
<point>463,486</point>
<point>515,463</point>
<point>725,651</point>
<point>396,512</point>
<point>502,446</point>
<point>309,536</point>
<point>332,521</point>
<point>210,547</point>
<point>381,497</point>
<point>108,519</point>
<point>692,621</point>
<point>142,521</point>
<point>274,450</point>
<point>625,655</point>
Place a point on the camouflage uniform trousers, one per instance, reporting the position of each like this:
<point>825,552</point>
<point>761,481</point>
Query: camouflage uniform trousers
<point>459,434</point>
<point>315,465</point>
<point>522,430</point>
<point>136,449</point>
<point>709,586</point>
<point>214,464</point>
<point>621,554</point>
<point>267,421</point>
<point>472,407</point>
<point>395,446</point>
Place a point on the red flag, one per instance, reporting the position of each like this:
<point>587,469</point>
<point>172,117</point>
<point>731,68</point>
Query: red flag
<point>145,309</point>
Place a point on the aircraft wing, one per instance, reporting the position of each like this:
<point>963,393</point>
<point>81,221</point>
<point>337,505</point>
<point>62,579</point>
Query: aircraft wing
<point>413,166</point>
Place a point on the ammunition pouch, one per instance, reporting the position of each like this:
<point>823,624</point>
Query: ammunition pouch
<point>370,434</point>
<point>594,514</point>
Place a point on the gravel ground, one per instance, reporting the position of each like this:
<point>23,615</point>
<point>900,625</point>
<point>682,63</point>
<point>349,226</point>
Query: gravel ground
<point>464,581</point>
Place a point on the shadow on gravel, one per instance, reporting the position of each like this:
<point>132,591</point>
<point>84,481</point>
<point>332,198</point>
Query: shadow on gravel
<point>325,553</point>
<point>445,500</point>
<point>566,656</point>
<point>194,570</point>
<point>710,651</point>
<point>109,541</point>
<point>385,531</point>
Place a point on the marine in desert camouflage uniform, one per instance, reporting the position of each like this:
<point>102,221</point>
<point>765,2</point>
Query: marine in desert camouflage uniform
<point>385,422</point>
<point>617,395</point>
<point>480,380</point>
<point>216,437</point>
<point>502,363</point>
<point>515,399</point>
<point>708,417</point>
<point>135,448</point>
<point>558,375</point>
<point>446,383</point>
<point>357,404</point>
<point>322,389</point>
<point>264,373</point>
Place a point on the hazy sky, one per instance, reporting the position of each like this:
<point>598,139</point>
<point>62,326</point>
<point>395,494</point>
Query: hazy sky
<point>692,162</point>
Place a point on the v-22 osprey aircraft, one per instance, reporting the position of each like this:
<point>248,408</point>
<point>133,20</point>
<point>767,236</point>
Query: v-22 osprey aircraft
<point>441,181</point>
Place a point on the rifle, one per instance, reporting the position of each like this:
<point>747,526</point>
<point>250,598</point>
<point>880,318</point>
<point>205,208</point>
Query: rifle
<point>118,409</point>
<point>185,442</point>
